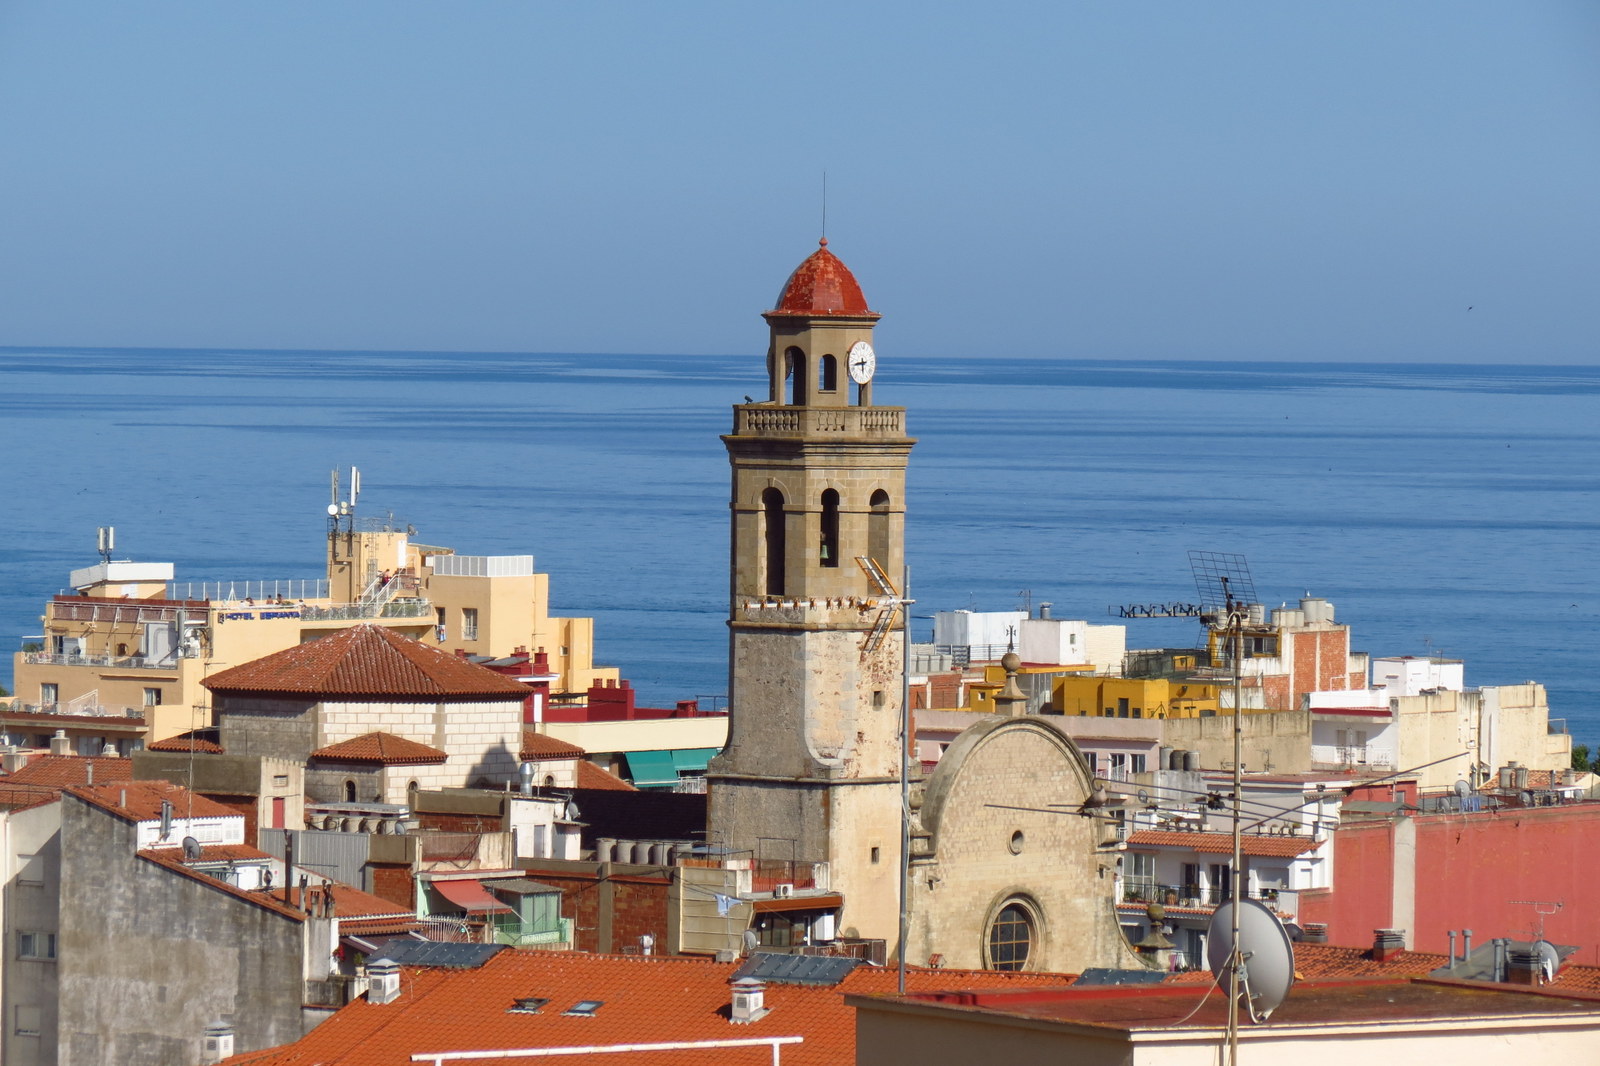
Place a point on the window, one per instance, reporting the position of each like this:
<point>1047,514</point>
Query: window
<point>795,367</point>
<point>829,369</point>
<point>1010,938</point>
<point>349,791</point>
<point>36,946</point>
<point>49,694</point>
<point>152,697</point>
<point>585,1008</point>
<point>876,854</point>
<point>440,624</point>
<point>469,623</point>
<point>1136,763</point>
<point>30,869</point>
<point>828,552</point>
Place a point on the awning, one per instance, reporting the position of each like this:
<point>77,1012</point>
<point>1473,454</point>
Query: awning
<point>648,768</point>
<point>469,896</point>
<point>692,759</point>
<point>828,902</point>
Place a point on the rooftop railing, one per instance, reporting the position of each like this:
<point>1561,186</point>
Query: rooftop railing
<point>291,589</point>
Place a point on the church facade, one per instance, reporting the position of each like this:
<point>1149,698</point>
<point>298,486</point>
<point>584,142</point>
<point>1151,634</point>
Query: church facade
<point>1003,873</point>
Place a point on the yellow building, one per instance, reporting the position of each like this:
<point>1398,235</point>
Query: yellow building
<point>1128,697</point>
<point>123,654</point>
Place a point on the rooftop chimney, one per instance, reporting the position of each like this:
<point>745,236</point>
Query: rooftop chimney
<point>59,744</point>
<point>748,994</point>
<point>1387,943</point>
<point>1314,933</point>
<point>383,981</point>
<point>218,1043</point>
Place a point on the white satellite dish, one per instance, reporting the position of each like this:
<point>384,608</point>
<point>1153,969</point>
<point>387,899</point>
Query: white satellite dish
<point>1267,956</point>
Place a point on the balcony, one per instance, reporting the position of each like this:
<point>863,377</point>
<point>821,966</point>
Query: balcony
<point>772,420</point>
<point>1140,890</point>
<point>341,612</point>
<point>120,662</point>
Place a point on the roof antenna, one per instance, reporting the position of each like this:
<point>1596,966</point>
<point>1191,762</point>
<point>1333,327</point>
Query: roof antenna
<point>824,207</point>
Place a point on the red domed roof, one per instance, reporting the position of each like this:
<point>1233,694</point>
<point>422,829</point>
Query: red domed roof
<point>822,285</point>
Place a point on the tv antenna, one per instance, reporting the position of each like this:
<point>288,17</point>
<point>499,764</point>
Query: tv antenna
<point>889,602</point>
<point>1542,909</point>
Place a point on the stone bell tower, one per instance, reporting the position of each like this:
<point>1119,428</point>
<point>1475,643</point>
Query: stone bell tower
<point>811,768</point>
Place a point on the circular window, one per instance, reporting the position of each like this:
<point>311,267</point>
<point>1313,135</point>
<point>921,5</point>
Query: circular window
<point>1011,936</point>
<point>1017,840</point>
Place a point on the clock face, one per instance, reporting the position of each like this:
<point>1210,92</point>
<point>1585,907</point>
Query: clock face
<point>862,362</point>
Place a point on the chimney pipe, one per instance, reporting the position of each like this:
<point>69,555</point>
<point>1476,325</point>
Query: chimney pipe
<point>1466,944</point>
<point>1452,935</point>
<point>748,1001</point>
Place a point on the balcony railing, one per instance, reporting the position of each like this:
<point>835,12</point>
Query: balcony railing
<point>288,589</point>
<point>757,419</point>
<point>1140,890</point>
<point>133,715</point>
<point>121,662</point>
<point>346,611</point>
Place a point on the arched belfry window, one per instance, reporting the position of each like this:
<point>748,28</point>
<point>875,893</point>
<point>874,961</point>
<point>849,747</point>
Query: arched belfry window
<point>773,536</point>
<point>828,374</point>
<point>829,550</point>
<point>349,791</point>
<point>795,367</point>
<point>878,529</point>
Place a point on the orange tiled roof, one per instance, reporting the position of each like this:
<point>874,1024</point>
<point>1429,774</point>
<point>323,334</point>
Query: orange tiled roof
<point>644,1000</point>
<point>1219,843</point>
<point>537,746</point>
<point>59,771</point>
<point>1315,962</point>
<point>592,776</point>
<point>367,660</point>
<point>140,801</point>
<point>187,742</point>
<point>380,747</point>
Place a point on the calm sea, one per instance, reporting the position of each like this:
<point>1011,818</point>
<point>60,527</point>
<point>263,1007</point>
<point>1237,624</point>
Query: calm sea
<point>1443,509</point>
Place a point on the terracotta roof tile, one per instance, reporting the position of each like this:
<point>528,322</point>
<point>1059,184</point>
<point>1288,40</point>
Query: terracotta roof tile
<point>644,1000</point>
<point>380,747</point>
<point>1221,843</point>
<point>140,801</point>
<point>537,746</point>
<point>1322,961</point>
<point>822,285</point>
<point>188,742</point>
<point>367,660</point>
<point>591,776</point>
<point>59,771</point>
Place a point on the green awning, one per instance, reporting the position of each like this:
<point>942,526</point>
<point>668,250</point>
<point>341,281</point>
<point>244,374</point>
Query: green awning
<point>692,759</point>
<point>648,769</point>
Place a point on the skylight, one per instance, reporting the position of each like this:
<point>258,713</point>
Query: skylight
<point>584,1008</point>
<point>527,1005</point>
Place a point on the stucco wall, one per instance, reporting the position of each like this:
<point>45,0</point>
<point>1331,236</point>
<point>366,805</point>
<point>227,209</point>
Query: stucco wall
<point>150,957</point>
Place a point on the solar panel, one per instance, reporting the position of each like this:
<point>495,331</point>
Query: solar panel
<point>796,969</point>
<point>1097,975</point>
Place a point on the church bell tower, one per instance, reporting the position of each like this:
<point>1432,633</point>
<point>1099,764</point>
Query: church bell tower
<point>811,768</point>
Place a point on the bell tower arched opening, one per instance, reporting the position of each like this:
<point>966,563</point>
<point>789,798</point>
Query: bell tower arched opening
<point>773,532</point>
<point>878,534</point>
<point>828,550</point>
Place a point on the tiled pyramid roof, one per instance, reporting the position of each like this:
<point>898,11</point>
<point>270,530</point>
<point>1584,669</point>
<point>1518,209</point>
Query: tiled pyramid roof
<point>537,746</point>
<point>380,747</point>
<point>643,999</point>
<point>367,661</point>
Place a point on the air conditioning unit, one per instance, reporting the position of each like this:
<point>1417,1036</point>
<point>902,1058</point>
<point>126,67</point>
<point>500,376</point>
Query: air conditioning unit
<point>783,890</point>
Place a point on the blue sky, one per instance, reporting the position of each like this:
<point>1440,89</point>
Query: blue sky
<point>1159,180</point>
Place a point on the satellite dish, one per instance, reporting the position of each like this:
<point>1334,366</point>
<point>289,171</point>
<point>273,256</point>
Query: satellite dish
<point>750,941</point>
<point>191,849</point>
<point>1527,798</point>
<point>1549,959</point>
<point>1267,969</point>
<point>1463,789</point>
<point>1144,796</point>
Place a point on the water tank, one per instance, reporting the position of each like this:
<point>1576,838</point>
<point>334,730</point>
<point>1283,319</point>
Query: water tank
<point>605,849</point>
<point>1191,761</point>
<point>1316,609</point>
<point>1522,777</point>
<point>1507,777</point>
<point>1175,758</point>
<point>660,853</point>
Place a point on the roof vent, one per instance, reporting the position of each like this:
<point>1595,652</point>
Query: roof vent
<point>1386,943</point>
<point>218,1043</point>
<point>748,996</point>
<point>383,981</point>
